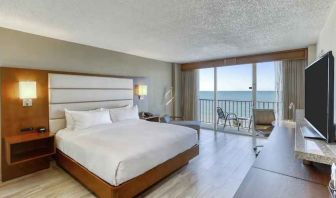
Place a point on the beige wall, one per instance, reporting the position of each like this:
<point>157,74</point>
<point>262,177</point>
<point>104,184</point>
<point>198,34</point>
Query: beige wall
<point>25,50</point>
<point>327,42</point>
<point>327,38</point>
<point>311,53</point>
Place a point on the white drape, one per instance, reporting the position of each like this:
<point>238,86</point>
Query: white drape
<point>278,90</point>
<point>289,86</point>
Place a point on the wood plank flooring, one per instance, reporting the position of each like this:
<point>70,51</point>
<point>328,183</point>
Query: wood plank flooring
<point>223,162</point>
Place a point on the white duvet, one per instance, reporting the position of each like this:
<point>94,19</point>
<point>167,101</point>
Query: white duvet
<point>120,151</point>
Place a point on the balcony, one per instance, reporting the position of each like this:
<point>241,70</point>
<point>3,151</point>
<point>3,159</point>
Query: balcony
<point>240,108</point>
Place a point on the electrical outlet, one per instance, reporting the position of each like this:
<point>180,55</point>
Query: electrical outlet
<point>27,102</point>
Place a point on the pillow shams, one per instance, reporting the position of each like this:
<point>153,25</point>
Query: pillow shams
<point>120,114</point>
<point>114,108</point>
<point>69,120</point>
<point>69,116</point>
<point>86,119</point>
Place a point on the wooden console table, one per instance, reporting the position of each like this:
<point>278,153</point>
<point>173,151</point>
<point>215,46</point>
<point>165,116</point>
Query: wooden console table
<point>277,173</point>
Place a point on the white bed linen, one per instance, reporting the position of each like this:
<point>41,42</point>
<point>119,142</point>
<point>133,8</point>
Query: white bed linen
<point>120,151</point>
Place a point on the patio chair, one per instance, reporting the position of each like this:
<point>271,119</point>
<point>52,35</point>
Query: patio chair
<point>231,117</point>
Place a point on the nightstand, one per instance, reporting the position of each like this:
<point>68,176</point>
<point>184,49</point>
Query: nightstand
<point>26,147</point>
<point>151,118</point>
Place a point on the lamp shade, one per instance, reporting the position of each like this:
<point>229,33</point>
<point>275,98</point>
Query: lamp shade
<point>141,90</point>
<point>27,89</point>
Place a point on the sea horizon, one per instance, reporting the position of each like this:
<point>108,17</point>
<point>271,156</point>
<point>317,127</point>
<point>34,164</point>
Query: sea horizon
<point>238,102</point>
<point>265,96</point>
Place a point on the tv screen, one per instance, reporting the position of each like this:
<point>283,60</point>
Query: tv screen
<point>319,96</point>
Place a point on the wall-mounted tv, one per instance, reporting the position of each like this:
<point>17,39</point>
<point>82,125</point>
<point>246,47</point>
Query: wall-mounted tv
<point>319,97</point>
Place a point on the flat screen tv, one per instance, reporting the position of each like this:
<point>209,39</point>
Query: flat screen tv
<point>319,97</point>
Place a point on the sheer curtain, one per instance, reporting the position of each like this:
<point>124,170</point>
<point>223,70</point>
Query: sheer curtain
<point>278,90</point>
<point>289,86</point>
<point>190,90</point>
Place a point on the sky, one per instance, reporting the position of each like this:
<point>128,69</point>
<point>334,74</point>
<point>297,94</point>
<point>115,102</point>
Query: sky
<point>238,78</point>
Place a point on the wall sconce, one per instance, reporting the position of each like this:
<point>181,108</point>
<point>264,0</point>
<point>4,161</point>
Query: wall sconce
<point>27,92</point>
<point>141,91</point>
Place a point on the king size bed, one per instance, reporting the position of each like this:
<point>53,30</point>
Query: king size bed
<point>120,158</point>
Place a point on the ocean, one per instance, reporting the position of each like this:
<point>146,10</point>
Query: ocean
<point>264,96</point>
<point>237,102</point>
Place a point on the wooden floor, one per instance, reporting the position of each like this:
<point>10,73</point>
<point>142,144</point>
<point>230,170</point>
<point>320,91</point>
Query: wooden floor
<point>223,162</point>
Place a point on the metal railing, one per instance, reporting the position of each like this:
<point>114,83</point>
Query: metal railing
<point>240,108</point>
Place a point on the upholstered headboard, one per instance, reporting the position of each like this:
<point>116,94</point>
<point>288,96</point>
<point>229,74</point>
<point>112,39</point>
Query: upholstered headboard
<point>80,92</point>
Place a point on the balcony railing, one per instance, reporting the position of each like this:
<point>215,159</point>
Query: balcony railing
<point>240,108</point>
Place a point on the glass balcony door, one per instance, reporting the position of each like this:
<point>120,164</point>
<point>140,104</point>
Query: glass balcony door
<point>234,97</point>
<point>207,97</point>
<point>265,89</point>
<point>236,90</point>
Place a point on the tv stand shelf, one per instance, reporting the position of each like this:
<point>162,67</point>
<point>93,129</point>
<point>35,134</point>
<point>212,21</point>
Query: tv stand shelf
<point>313,150</point>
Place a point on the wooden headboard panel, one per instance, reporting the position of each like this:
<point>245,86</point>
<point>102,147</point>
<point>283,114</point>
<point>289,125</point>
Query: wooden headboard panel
<point>15,117</point>
<point>81,92</point>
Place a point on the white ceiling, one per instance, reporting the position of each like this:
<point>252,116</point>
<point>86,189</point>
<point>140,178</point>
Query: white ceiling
<point>173,30</point>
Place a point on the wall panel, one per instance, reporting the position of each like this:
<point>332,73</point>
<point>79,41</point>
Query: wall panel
<point>15,117</point>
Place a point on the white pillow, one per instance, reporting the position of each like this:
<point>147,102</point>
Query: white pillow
<point>122,107</point>
<point>119,114</point>
<point>86,119</point>
<point>69,120</point>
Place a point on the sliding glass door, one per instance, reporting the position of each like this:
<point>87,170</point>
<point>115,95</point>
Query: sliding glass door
<point>234,97</point>
<point>235,91</point>
<point>265,94</point>
<point>207,97</point>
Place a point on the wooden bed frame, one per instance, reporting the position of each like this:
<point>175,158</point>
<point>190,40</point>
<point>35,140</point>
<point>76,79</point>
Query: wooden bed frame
<point>131,187</point>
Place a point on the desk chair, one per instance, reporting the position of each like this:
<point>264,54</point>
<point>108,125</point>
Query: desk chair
<point>263,124</point>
